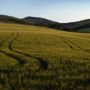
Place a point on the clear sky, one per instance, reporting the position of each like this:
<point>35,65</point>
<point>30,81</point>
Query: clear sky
<point>57,10</point>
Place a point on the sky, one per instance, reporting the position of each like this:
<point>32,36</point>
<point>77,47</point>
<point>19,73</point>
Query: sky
<point>57,10</point>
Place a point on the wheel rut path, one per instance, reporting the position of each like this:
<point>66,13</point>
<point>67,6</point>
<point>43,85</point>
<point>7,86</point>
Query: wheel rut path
<point>43,63</point>
<point>22,61</point>
<point>72,45</point>
<point>12,55</point>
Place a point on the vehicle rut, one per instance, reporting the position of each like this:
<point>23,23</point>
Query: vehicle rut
<point>20,61</point>
<point>67,43</point>
<point>72,45</point>
<point>43,63</point>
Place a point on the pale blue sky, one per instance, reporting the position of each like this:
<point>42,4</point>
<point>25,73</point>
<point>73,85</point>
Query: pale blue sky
<point>57,10</point>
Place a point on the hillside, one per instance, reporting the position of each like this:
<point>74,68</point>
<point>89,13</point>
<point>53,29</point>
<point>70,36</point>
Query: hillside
<point>43,22</point>
<point>11,19</point>
<point>40,58</point>
<point>79,26</point>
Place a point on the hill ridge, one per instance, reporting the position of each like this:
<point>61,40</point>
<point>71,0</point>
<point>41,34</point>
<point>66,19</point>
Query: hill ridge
<point>78,26</point>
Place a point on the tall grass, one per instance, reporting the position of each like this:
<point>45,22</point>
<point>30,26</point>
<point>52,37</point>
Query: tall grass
<point>65,55</point>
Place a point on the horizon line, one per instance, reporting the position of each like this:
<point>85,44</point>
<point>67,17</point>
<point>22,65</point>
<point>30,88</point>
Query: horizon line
<point>44,18</point>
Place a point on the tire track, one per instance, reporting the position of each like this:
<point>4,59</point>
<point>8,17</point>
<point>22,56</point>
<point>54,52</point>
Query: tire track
<point>67,43</point>
<point>85,50</point>
<point>20,61</point>
<point>4,41</point>
<point>43,63</point>
<point>72,45</point>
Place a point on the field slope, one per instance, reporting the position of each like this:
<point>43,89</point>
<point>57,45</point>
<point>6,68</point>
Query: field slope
<point>39,58</point>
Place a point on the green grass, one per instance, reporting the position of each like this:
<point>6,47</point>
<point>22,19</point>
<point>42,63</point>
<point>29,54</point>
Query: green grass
<point>38,58</point>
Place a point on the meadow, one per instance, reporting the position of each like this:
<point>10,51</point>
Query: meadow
<point>40,58</point>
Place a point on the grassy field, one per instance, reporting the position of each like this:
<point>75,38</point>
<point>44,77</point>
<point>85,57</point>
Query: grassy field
<point>38,58</point>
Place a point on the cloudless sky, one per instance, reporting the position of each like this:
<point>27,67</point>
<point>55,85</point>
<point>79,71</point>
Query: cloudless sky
<point>57,10</point>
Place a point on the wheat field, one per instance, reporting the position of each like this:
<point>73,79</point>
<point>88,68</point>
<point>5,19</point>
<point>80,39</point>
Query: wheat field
<point>39,58</point>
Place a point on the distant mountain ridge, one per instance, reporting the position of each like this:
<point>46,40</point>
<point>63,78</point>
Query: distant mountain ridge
<point>43,22</point>
<point>11,19</point>
<point>79,26</point>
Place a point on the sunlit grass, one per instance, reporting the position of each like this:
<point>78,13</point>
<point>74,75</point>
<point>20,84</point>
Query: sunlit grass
<point>66,54</point>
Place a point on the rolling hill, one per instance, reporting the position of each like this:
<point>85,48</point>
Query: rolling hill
<point>41,58</point>
<point>43,22</point>
<point>11,19</point>
<point>79,26</point>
